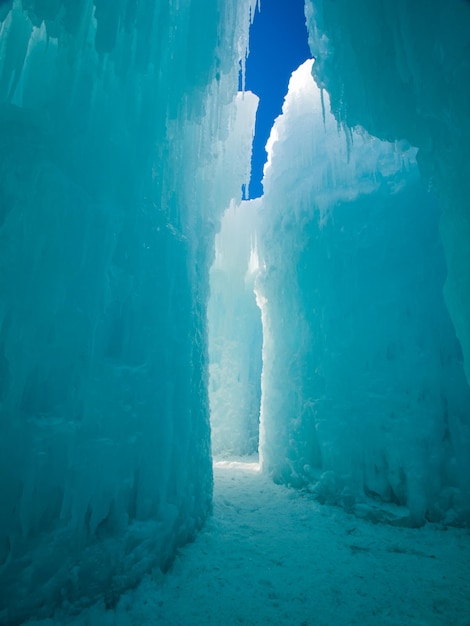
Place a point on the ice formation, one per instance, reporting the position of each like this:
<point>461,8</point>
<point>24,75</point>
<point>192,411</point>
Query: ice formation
<point>117,159</point>
<point>401,70</point>
<point>235,335</point>
<point>364,396</point>
<point>122,142</point>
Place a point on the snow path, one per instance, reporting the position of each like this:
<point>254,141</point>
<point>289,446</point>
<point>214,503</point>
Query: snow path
<point>270,555</point>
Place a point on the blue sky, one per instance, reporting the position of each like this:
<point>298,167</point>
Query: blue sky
<point>278,45</point>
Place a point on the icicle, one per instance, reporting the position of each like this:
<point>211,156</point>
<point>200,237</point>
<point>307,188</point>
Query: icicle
<point>323,107</point>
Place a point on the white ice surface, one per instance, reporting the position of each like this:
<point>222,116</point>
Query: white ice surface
<point>271,555</point>
<point>235,335</point>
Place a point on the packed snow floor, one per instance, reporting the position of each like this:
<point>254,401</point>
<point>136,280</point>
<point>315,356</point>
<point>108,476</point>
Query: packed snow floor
<point>271,555</point>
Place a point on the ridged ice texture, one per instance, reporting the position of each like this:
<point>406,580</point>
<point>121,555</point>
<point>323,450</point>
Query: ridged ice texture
<point>114,171</point>
<point>364,396</point>
<point>401,70</point>
<point>235,335</point>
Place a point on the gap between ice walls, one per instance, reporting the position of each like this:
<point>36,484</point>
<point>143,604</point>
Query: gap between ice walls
<point>117,158</point>
<point>120,147</point>
<point>365,401</point>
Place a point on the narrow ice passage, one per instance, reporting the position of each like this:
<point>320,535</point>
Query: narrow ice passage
<point>122,142</point>
<point>271,555</point>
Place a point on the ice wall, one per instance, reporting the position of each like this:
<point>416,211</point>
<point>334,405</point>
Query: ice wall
<point>115,122</point>
<point>235,335</point>
<point>364,396</point>
<point>401,70</point>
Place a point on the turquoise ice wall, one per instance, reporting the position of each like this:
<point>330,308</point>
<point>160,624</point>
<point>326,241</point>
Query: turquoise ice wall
<point>365,402</point>
<point>401,70</point>
<point>114,118</point>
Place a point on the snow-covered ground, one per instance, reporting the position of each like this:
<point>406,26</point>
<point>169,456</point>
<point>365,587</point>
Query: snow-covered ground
<point>271,555</point>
